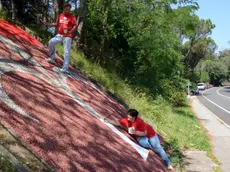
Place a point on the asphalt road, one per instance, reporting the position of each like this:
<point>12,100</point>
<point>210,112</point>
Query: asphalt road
<point>217,100</point>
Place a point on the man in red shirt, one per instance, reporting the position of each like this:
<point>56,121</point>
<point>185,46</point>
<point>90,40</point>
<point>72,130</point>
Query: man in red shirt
<point>67,25</point>
<point>143,133</point>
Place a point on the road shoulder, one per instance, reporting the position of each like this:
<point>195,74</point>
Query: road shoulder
<point>219,132</point>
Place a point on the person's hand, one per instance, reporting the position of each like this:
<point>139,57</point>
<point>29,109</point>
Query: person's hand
<point>131,130</point>
<point>43,22</point>
<point>104,120</point>
<point>71,32</point>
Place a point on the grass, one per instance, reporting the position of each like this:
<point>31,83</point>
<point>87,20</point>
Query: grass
<point>3,14</point>
<point>177,125</point>
<point>6,165</point>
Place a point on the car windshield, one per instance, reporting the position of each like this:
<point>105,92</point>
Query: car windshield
<point>200,84</point>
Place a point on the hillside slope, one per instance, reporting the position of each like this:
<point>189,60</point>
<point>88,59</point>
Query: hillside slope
<point>58,116</point>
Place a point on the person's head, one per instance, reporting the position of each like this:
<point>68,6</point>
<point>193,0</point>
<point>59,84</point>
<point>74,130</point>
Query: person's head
<point>132,114</point>
<point>67,7</point>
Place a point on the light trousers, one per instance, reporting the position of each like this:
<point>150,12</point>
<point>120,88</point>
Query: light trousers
<point>67,41</point>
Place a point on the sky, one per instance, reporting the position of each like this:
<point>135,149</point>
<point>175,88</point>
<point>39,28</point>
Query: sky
<point>219,13</point>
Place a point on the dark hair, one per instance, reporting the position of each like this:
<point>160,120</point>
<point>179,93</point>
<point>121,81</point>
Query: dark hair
<point>132,112</point>
<point>67,4</point>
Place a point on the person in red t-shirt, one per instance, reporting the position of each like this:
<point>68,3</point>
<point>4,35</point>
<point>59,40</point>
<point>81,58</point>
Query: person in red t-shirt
<point>67,25</point>
<point>145,135</point>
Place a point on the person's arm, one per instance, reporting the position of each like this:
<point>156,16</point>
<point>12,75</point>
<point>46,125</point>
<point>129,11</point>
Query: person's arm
<point>49,24</point>
<point>140,133</point>
<point>73,29</point>
<point>140,129</point>
<point>114,122</point>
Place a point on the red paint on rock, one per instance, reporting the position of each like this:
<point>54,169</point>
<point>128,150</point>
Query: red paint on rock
<point>67,137</point>
<point>17,34</point>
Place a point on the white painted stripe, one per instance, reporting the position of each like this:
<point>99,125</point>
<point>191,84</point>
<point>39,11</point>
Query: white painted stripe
<point>218,107</point>
<point>215,103</point>
<point>142,151</point>
<point>222,94</point>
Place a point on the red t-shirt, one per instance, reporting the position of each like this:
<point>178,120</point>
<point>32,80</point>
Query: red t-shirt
<point>138,125</point>
<point>66,22</point>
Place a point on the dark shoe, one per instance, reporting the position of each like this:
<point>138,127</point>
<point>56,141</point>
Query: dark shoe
<point>50,60</point>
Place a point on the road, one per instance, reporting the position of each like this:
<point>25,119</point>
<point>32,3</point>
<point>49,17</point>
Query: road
<point>217,100</point>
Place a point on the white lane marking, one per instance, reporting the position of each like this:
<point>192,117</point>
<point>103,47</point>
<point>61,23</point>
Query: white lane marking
<point>218,107</point>
<point>222,94</point>
<point>214,103</point>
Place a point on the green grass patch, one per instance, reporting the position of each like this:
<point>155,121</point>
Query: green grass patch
<point>6,165</point>
<point>3,14</point>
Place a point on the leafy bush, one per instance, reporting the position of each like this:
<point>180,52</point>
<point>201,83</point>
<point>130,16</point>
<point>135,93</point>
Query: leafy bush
<point>174,91</point>
<point>3,15</point>
<point>6,165</point>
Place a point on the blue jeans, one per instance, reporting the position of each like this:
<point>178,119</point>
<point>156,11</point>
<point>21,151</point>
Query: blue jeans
<point>154,144</point>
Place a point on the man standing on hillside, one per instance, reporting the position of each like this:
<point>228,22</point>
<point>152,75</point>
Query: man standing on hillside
<point>143,133</point>
<point>67,25</point>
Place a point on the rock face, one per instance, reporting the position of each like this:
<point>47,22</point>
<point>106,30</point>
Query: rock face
<point>57,116</point>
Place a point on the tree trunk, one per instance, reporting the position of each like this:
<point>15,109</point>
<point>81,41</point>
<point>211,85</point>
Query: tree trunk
<point>83,10</point>
<point>105,33</point>
<point>106,10</point>
<point>13,11</point>
<point>46,11</point>
<point>58,6</point>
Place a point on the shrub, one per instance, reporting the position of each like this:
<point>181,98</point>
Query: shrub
<point>173,90</point>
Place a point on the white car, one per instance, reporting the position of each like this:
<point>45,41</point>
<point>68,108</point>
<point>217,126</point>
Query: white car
<point>201,86</point>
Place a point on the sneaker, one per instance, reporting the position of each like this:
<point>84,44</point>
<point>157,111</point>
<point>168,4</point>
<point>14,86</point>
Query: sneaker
<point>170,167</point>
<point>50,60</point>
<point>64,70</point>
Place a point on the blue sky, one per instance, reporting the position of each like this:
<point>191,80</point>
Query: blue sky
<point>218,12</point>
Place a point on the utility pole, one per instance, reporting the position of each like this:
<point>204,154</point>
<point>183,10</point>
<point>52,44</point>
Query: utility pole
<point>188,85</point>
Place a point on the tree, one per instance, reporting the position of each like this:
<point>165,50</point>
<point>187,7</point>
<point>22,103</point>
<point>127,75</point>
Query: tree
<point>202,28</point>
<point>58,7</point>
<point>224,56</point>
<point>217,71</point>
<point>200,49</point>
